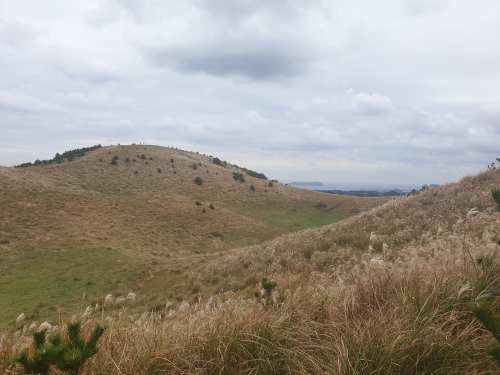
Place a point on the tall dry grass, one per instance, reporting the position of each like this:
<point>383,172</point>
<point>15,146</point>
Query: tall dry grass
<point>393,319</point>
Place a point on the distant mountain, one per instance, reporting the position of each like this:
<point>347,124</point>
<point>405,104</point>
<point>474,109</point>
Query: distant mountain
<point>305,183</point>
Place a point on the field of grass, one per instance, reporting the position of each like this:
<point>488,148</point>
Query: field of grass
<point>294,219</point>
<point>390,291</point>
<point>141,224</point>
<point>46,283</point>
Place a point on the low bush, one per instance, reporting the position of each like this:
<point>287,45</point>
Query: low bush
<point>496,197</point>
<point>237,176</point>
<point>198,180</point>
<point>67,354</point>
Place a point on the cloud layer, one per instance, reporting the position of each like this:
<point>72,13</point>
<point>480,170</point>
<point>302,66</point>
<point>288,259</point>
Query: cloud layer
<point>377,92</point>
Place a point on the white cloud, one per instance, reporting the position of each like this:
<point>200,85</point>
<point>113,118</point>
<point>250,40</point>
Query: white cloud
<point>24,103</point>
<point>372,104</point>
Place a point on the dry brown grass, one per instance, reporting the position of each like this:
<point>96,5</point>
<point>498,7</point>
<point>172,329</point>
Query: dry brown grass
<point>390,320</point>
<point>402,307</point>
<point>147,226</point>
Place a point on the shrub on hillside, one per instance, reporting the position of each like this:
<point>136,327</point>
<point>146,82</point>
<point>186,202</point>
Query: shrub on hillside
<point>60,158</point>
<point>194,166</point>
<point>496,197</point>
<point>486,315</point>
<point>114,160</point>
<point>238,176</point>
<point>267,289</point>
<point>198,180</point>
<point>217,161</point>
<point>251,173</point>
<point>252,188</point>
<point>67,354</point>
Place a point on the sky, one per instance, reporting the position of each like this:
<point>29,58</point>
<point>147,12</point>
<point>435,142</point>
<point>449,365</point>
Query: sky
<point>375,92</point>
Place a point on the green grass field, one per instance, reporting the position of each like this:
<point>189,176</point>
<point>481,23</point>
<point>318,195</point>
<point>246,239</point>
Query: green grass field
<point>44,282</point>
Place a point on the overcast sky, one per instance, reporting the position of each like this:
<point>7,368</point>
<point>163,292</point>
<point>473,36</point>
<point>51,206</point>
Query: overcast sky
<point>387,91</point>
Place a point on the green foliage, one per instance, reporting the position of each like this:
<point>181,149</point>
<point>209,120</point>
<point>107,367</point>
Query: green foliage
<point>211,206</point>
<point>42,356</point>
<point>496,197</point>
<point>194,166</point>
<point>485,314</point>
<point>270,184</point>
<point>238,176</point>
<point>198,180</point>
<point>67,354</point>
<point>252,188</point>
<point>114,160</point>
<point>60,158</point>
<point>251,173</point>
<point>217,161</point>
<point>268,287</point>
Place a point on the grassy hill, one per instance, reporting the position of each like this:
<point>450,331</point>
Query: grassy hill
<point>132,218</point>
<point>391,290</point>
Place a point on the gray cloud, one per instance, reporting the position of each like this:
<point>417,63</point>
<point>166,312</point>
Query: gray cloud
<point>247,58</point>
<point>357,91</point>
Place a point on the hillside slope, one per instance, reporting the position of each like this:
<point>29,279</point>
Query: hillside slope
<point>388,291</point>
<point>449,219</point>
<point>117,218</point>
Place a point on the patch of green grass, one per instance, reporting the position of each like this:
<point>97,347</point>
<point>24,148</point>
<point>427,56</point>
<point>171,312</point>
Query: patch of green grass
<point>42,282</point>
<point>293,219</point>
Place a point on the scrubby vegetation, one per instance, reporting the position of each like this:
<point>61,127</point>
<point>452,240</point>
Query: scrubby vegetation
<point>219,162</point>
<point>67,354</point>
<point>61,158</point>
<point>496,197</point>
<point>238,176</point>
<point>486,314</point>
<point>198,180</point>
<point>251,173</point>
<point>409,319</point>
<point>409,287</point>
